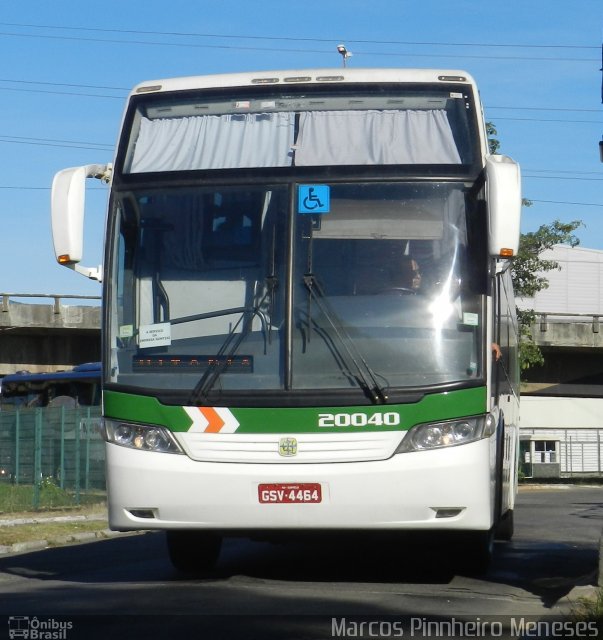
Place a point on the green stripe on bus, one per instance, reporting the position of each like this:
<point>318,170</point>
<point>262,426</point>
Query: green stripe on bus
<point>144,409</point>
<point>433,407</point>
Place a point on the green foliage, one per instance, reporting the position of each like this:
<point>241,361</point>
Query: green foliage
<point>493,143</point>
<point>529,352</point>
<point>528,267</point>
<point>590,609</point>
<point>52,495</point>
<point>20,497</point>
<point>528,271</point>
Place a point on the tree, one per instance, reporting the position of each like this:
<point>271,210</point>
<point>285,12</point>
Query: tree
<point>493,143</point>
<point>527,272</point>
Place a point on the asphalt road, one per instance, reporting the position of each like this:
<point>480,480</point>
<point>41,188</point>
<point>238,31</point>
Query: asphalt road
<point>126,587</point>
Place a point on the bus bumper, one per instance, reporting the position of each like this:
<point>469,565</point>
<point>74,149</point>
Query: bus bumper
<point>451,488</point>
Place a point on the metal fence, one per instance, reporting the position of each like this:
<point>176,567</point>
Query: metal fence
<point>50,457</point>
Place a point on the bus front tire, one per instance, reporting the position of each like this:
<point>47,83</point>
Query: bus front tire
<point>477,550</point>
<point>505,527</point>
<point>193,551</point>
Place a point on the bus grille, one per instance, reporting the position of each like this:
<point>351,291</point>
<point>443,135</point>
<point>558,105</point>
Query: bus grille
<point>290,448</point>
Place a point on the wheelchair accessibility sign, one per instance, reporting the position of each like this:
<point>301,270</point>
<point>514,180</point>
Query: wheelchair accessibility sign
<point>313,198</point>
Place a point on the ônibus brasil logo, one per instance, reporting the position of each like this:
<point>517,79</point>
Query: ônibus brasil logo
<point>38,629</point>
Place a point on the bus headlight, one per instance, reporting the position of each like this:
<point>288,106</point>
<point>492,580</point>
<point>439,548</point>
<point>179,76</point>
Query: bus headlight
<point>435,435</point>
<point>142,437</point>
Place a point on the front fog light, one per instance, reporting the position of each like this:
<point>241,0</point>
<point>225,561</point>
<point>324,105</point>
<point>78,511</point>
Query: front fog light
<point>141,437</point>
<point>437,435</point>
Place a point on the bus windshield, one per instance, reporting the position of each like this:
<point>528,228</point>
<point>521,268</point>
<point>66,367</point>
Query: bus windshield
<point>359,286</point>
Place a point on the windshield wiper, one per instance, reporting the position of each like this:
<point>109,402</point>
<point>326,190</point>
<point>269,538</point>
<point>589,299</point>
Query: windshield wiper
<point>365,377</point>
<point>231,343</point>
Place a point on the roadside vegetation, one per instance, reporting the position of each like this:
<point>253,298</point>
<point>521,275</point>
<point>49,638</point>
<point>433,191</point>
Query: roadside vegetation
<point>590,610</point>
<point>54,533</point>
<point>20,522</point>
<point>22,497</point>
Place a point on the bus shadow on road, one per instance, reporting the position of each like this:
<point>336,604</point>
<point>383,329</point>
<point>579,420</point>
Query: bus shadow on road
<point>385,558</point>
<point>549,570</point>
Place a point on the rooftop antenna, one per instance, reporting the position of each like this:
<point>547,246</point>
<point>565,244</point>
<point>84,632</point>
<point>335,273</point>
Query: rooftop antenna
<point>345,54</point>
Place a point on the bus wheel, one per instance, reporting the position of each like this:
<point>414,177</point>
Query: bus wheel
<point>478,547</point>
<point>505,527</point>
<point>193,551</point>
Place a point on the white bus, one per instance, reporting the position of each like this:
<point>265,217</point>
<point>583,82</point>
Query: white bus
<point>305,276</point>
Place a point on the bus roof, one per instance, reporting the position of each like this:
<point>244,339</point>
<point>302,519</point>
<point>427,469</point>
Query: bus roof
<point>304,76</point>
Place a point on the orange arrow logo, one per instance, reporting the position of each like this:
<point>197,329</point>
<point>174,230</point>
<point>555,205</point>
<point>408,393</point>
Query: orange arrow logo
<point>214,422</point>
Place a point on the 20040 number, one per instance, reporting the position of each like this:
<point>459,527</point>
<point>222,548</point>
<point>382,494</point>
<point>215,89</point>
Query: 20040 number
<point>390,419</point>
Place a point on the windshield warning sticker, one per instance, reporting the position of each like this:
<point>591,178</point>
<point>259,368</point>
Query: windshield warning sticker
<point>314,198</point>
<point>154,335</point>
<point>471,319</point>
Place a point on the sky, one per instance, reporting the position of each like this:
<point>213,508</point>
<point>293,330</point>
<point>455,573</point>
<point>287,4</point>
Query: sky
<point>68,66</point>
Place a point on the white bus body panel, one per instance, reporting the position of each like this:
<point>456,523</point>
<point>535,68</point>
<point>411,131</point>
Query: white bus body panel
<point>319,76</point>
<point>403,492</point>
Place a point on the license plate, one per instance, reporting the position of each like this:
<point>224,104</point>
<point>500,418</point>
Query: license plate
<point>307,492</point>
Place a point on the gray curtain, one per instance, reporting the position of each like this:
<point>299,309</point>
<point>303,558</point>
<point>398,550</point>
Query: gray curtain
<point>214,142</point>
<point>266,140</point>
<point>375,137</point>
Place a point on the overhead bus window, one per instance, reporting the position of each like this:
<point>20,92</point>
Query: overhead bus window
<point>367,128</point>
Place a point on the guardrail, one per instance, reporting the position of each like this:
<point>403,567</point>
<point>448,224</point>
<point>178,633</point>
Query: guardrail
<point>57,297</point>
<point>543,319</point>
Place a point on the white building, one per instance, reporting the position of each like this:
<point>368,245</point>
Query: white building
<point>576,287</point>
<point>562,405</point>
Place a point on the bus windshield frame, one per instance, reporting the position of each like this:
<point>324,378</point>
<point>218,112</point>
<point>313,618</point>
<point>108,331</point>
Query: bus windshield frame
<point>234,293</point>
<point>418,127</point>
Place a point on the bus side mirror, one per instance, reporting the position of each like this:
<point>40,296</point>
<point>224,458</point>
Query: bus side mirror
<point>67,215</point>
<point>503,182</point>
